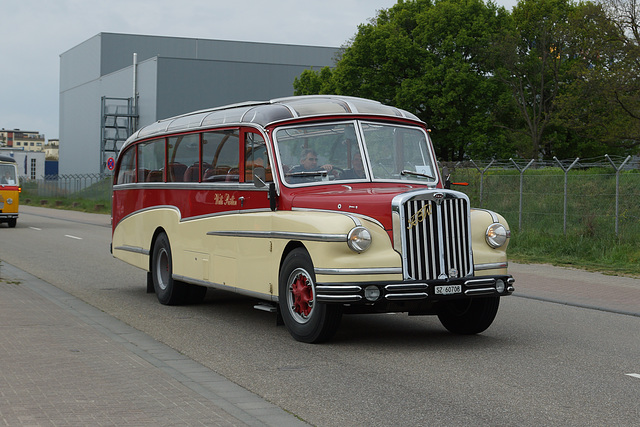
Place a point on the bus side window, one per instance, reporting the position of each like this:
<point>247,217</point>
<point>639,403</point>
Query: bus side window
<point>127,171</point>
<point>255,156</point>
<point>222,151</point>
<point>183,152</point>
<point>151,161</point>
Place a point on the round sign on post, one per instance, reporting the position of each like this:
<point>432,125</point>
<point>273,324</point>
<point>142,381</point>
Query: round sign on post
<point>111,163</point>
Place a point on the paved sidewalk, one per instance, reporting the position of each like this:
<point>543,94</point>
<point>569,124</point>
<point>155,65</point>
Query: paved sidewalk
<point>577,287</point>
<point>64,362</point>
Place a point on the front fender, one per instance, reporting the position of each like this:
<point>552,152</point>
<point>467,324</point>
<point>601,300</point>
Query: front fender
<point>486,259</point>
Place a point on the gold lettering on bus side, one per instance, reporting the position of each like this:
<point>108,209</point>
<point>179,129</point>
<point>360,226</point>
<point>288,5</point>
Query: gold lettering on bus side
<point>419,216</point>
<point>224,199</point>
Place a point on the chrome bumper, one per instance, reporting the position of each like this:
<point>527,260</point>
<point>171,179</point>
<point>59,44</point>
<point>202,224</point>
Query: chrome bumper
<point>349,293</point>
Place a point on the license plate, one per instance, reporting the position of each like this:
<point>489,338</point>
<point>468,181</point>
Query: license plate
<point>448,290</point>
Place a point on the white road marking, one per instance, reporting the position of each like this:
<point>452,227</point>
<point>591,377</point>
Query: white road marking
<point>72,237</point>
<point>634,375</point>
<point>36,228</point>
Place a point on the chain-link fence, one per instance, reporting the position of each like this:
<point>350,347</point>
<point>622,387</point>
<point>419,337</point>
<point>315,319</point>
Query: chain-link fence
<point>90,189</point>
<point>579,196</point>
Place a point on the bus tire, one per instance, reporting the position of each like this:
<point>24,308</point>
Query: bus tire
<point>470,316</point>
<point>306,319</point>
<point>168,291</point>
<point>12,222</point>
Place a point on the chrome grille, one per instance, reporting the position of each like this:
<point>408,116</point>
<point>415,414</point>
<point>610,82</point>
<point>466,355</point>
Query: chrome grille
<point>436,238</point>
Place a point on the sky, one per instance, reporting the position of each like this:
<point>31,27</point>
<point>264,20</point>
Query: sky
<point>34,33</point>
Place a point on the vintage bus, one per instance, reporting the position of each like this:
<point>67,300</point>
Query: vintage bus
<point>9,191</point>
<point>316,205</point>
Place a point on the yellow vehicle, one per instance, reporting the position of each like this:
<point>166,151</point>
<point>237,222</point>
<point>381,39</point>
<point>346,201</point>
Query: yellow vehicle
<point>9,191</point>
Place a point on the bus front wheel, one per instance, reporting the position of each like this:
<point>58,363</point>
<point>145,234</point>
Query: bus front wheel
<point>306,319</point>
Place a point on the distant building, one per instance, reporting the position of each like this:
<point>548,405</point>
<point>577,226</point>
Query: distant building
<point>22,140</point>
<point>51,149</point>
<point>30,163</point>
<point>173,76</point>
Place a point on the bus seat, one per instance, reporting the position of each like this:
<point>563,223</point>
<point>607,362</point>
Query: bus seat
<point>154,176</point>
<point>176,172</point>
<point>233,175</point>
<point>191,173</point>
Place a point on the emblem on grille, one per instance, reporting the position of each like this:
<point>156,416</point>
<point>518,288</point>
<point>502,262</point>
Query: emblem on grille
<point>419,216</point>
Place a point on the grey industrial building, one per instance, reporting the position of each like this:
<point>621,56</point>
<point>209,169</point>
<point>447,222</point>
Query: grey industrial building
<point>170,76</point>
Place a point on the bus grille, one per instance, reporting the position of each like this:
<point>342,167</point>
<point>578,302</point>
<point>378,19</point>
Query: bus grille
<point>436,239</point>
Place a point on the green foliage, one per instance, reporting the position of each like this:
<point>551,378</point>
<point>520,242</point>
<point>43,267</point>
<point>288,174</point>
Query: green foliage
<point>95,198</point>
<point>551,78</point>
<point>590,240</point>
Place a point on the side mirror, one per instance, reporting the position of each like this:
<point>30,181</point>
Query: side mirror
<point>446,175</point>
<point>259,177</point>
<point>260,181</point>
<point>447,179</point>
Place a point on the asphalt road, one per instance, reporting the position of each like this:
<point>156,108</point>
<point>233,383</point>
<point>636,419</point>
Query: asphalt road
<point>540,363</point>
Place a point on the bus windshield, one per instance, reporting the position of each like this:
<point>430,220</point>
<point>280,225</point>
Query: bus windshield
<point>8,175</point>
<point>326,152</point>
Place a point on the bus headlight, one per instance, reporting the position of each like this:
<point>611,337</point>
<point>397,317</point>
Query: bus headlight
<point>497,235</point>
<point>359,239</point>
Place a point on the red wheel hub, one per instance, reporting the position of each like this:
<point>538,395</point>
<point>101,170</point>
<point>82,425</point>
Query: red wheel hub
<point>302,295</point>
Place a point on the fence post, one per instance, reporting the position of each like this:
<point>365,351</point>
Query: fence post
<point>566,171</point>
<point>482,176</point>
<point>521,178</point>
<point>617,183</point>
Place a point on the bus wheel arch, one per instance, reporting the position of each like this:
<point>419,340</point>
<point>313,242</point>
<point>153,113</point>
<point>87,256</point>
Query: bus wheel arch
<point>306,319</point>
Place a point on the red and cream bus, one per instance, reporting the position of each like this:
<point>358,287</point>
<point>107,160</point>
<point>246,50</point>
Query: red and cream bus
<point>317,205</point>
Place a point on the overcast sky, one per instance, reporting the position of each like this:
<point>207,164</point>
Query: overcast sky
<point>34,33</point>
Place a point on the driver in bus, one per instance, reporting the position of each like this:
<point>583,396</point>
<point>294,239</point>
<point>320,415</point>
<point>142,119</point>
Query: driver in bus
<point>7,179</point>
<point>309,162</point>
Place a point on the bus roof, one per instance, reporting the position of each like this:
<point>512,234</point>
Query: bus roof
<point>7,159</point>
<point>266,112</point>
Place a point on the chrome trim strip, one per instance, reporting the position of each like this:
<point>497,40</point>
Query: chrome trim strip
<point>407,287</point>
<point>259,295</point>
<point>133,249</point>
<point>416,295</point>
<point>480,291</point>
<point>151,208</point>
<point>480,282</point>
<point>494,217</point>
<point>337,288</point>
<point>355,217</point>
<point>314,237</point>
<point>356,271</point>
<point>490,266</point>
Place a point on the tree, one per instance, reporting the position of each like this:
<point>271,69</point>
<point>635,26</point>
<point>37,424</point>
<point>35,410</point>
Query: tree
<point>431,59</point>
<point>532,62</point>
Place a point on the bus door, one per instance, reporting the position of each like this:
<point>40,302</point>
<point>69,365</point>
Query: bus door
<point>255,216</point>
<point>221,163</point>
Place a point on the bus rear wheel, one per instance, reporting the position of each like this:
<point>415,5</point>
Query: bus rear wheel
<point>168,291</point>
<point>306,319</point>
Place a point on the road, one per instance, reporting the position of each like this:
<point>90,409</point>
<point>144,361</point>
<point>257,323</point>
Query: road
<point>540,363</point>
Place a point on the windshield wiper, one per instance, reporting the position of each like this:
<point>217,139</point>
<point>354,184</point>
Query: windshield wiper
<point>412,173</point>
<point>307,173</point>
